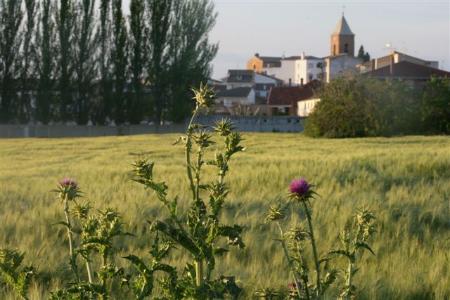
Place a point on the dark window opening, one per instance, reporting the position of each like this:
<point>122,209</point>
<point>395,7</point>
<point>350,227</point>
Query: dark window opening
<point>346,48</point>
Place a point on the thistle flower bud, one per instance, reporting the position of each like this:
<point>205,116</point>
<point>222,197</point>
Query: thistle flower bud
<point>68,189</point>
<point>300,189</point>
<point>203,96</point>
<point>276,212</point>
<point>224,127</point>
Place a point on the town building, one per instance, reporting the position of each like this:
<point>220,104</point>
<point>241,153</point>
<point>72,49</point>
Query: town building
<point>284,100</point>
<point>395,57</point>
<point>416,74</point>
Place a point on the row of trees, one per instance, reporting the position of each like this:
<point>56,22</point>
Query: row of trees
<point>363,106</point>
<point>81,60</point>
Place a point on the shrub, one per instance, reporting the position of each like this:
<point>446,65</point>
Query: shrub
<point>359,106</point>
<point>436,106</point>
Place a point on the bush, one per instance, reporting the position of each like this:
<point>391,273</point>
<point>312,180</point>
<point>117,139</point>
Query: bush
<point>357,107</point>
<point>436,106</point>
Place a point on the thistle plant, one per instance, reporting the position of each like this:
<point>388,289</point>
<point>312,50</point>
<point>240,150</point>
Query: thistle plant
<point>296,241</point>
<point>199,232</point>
<point>12,273</point>
<point>354,241</point>
<point>89,237</point>
<point>68,192</point>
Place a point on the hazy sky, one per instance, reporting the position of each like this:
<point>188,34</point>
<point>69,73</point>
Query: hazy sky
<point>289,27</point>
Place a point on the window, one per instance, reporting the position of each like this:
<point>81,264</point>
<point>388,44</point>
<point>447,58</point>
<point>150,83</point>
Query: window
<point>346,48</point>
<point>310,76</point>
<point>334,49</point>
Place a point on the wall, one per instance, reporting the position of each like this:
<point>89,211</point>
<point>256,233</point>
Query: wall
<point>255,64</point>
<point>340,65</point>
<point>285,72</point>
<point>248,124</point>
<point>305,107</point>
<point>305,67</point>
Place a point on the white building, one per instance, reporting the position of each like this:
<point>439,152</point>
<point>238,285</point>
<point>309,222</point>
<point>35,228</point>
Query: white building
<point>297,70</point>
<point>340,65</point>
<point>306,107</point>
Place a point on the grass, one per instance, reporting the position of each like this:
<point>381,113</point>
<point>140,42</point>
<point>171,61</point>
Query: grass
<point>405,180</point>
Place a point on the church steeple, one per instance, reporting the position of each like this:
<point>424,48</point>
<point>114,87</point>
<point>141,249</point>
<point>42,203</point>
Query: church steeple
<point>342,39</point>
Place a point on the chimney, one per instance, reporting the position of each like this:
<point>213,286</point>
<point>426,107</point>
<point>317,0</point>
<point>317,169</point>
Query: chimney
<point>372,65</point>
<point>303,55</point>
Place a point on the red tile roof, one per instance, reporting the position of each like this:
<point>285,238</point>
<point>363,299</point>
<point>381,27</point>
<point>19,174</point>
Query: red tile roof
<point>289,96</point>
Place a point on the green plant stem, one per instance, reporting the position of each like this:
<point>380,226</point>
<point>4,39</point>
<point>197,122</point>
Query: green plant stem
<point>188,152</point>
<point>291,266</point>
<point>349,278</point>
<point>197,175</point>
<point>103,278</point>
<point>314,248</point>
<point>89,272</point>
<point>198,272</point>
<point>73,262</point>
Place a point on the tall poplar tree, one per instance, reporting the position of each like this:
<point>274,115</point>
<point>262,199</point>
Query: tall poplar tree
<point>28,59</point>
<point>190,52</point>
<point>11,17</point>
<point>159,14</point>
<point>65,20</point>
<point>85,47</point>
<point>46,48</point>
<point>135,103</point>
<point>119,60</point>
<point>102,106</point>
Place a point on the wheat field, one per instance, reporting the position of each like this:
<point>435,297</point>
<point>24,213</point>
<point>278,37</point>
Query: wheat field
<point>404,180</point>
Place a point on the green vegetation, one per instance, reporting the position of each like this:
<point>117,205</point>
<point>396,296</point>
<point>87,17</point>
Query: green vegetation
<point>362,106</point>
<point>405,181</point>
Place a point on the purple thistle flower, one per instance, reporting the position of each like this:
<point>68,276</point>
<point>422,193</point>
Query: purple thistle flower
<point>68,183</point>
<point>299,187</point>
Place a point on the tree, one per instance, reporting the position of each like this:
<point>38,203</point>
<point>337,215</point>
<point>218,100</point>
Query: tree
<point>65,20</point>
<point>10,42</point>
<point>46,40</point>
<point>138,58</point>
<point>365,56</point>
<point>190,52</point>
<point>343,111</point>
<point>119,60</point>
<point>435,106</point>
<point>159,16</point>
<point>361,106</point>
<point>102,106</point>
<point>28,69</point>
<point>85,67</point>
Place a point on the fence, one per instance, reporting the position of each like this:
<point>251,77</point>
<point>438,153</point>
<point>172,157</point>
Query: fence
<point>245,124</point>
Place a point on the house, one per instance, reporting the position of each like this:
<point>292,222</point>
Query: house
<point>306,107</point>
<point>263,64</point>
<point>249,78</point>
<point>284,100</point>
<point>228,100</point>
<point>299,70</point>
<point>395,57</point>
<point>417,74</point>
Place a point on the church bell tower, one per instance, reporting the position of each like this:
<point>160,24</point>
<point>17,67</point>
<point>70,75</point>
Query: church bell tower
<point>342,39</point>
